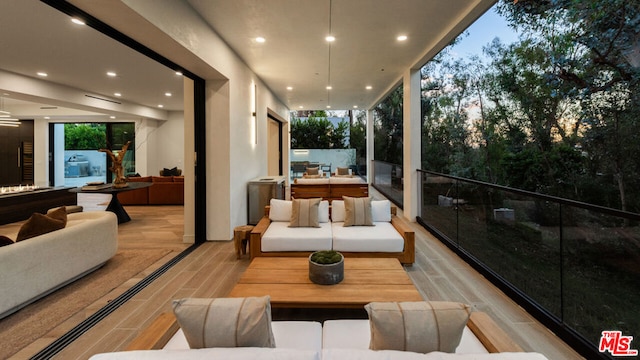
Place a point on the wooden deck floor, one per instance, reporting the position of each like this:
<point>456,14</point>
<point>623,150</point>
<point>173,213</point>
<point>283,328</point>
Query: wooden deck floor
<point>212,270</point>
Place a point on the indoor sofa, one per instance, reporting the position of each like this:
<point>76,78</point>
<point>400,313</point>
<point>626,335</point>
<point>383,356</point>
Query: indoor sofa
<point>35,267</point>
<point>166,190</point>
<point>482,339</point>
<point>389,237</point>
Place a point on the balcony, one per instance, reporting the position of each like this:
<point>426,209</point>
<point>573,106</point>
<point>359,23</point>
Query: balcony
<point>574,266</point>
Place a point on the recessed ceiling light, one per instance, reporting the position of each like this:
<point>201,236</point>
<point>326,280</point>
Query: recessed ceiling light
<point>77,21</point>
<point>328,106</point>
<point>300,107</point>
<point>167,94</point>
<point>179,73</point>
<point>42,73</point>
<point>47,117</point>
<point>355,106</point>
<point>369,87</point>
<point>111,73</point>
<point>330,38</point>
<point>329,87</point>
<point>402,37</point>
<point>112,117</point>
<point>289,88</point>
<point>117,94</point>
<point>260,39</point>
<point>160,105</point>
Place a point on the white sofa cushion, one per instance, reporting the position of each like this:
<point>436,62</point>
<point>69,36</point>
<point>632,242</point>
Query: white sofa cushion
<point>382,237</point>
<point>280,237</point>
<point>346,334</point>
<point>361,354</point>
<point>280,210</point>
<point>213,353</point>
<point>323,211</point>
<point>337,211</point>
<point>381,210</point>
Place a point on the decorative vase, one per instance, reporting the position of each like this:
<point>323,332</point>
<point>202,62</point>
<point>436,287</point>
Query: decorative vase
<point>326,274</point>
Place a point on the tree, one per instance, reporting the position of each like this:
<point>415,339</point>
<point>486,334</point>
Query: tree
<point>84,136</point>
<point>601,72</point>
<point>317,132</point>
<point>388,128</point>
<point>358,137</point>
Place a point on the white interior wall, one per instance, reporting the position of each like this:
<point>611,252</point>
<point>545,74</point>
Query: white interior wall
<point>169,141</point>
<point>233,157</point>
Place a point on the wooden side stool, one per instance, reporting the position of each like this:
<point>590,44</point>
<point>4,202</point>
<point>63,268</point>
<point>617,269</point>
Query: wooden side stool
<point>241,236</point>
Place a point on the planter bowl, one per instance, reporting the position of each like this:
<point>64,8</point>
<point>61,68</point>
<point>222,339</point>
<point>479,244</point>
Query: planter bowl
<point>326,274</point>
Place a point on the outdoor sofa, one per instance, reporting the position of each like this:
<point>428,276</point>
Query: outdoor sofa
<point>482,339</point>
<point>331,188</point>
<point>389,237</point>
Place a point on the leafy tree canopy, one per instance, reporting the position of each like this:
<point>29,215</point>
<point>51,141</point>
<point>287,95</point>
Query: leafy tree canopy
<point>317,132</point>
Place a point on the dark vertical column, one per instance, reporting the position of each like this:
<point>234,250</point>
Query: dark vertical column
<point>200,168</point>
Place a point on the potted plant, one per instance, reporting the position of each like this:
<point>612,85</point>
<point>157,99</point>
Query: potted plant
<point>326,267</point>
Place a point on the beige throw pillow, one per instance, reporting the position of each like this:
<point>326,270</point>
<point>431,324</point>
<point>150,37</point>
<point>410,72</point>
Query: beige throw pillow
<point>304,213</point>
<point>225,322</point>
<point>421,326</point>
<point>357,211</point>
<point>313,171</point>
<point>342,171</point>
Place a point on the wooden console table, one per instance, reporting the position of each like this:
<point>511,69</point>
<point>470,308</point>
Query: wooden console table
<point>286,281</point>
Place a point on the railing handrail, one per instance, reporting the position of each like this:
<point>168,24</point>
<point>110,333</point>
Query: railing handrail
<point>591,207</point>
<point>386,162</point>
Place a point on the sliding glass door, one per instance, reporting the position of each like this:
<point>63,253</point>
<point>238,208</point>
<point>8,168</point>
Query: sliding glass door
<point>75,159</point>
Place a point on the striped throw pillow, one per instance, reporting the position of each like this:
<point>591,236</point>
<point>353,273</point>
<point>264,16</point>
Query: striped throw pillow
<point>304,213</point>
<point>357,211</point>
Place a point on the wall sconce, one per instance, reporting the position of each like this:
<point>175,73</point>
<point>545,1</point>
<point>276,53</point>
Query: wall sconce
<point>254,106</point>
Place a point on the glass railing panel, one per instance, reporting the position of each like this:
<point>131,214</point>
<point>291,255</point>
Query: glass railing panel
<point>387,178</point>
<point>601,273</point>
<point>516,236</point>
<point>578,262</point>
<point>437,204</point>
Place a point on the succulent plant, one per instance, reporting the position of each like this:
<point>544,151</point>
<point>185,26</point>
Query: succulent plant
<point>326,257</point>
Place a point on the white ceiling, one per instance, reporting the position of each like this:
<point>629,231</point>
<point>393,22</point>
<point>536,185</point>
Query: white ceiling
<point>365,52</point>
<point>35,37</point>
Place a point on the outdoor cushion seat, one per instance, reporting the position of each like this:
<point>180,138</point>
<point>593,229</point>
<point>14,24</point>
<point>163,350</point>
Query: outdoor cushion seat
<point>382,237</point>
<point>280,237</point>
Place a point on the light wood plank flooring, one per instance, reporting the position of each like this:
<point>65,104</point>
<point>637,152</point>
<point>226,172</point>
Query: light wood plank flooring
<point>212,270</point>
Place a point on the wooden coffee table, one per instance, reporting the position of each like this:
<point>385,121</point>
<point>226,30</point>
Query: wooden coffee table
<point>286,280</point>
